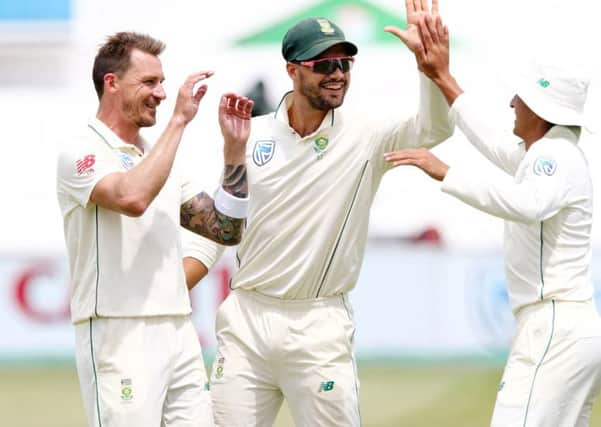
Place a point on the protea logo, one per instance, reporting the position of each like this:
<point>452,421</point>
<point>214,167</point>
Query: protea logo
<point>326,386</point>
<point>544,83</point>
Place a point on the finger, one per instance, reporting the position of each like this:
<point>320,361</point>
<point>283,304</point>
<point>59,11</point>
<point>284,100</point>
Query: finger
<point>435,7</point>
<point>404,162</point>
<point>397,155</point>
<point>424,6</point>
<point>417,7</point>
<point>424,33</point>
<point>249,107</point>
<point>241,102</point>
<point>196,77</point>
<point>231,104</point>
<point>432,29</point>
<point>406,152</point>
<point>439,27</point>
<point>245,107</point>
<point>395,31</point>
<point>409,8</point>
<point>222,105</point>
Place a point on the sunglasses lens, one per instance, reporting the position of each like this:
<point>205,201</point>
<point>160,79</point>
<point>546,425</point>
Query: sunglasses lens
<point>330,65</point>
<point>346,64</point>
<point>324,67</point>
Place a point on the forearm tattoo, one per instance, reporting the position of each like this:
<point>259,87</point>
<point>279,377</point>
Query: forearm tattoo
<point>200,216</point>
<point>234,180</point>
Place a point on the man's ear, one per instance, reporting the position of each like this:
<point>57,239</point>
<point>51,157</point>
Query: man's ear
<point>111,83</point>
<point>292,70</point>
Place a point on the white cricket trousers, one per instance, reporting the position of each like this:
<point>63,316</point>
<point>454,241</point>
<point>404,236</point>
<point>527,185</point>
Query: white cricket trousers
<point>269,349</point>
<point>142,372</point>
<point>553,374</point>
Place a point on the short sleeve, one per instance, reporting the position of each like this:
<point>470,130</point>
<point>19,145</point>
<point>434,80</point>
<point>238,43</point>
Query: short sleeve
<point>80,166</point>
<point>201,248</point>
<point>190,187</point>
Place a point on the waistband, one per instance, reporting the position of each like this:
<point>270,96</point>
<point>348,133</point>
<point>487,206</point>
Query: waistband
<point>341,299</point>
<point>581,307</point>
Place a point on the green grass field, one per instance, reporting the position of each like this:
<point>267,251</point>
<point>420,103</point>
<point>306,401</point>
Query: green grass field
<point>391,396</point>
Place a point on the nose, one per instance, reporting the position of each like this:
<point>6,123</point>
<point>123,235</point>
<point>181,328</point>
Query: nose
<point>159,92</point>
<point>513,101</point>
<point>337,73</point>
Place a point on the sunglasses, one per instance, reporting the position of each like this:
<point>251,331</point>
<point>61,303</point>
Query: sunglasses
<point>329,65</point>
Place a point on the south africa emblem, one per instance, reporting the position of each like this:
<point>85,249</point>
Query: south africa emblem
<point>263,152</point>
<point>320,145</point>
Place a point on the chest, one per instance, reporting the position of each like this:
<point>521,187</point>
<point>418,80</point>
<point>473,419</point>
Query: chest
<point>323,162</point>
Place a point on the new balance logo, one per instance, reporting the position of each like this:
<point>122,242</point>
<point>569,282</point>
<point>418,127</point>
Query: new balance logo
<point>326,386</point>
<point>85,166</point>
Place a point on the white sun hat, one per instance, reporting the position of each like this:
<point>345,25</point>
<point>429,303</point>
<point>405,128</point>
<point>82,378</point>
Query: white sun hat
<point>554,94</point>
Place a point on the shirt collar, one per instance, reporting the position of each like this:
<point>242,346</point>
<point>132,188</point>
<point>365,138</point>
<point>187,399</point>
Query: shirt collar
<point>281,113</point>
<point>571,133</point>
<point>111,137</point>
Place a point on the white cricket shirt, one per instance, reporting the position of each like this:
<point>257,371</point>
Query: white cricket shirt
<point>120,266</point>
<point>545,195</point>
<point>310,197</point>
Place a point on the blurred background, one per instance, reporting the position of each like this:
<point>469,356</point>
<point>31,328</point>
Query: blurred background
<point>434,324</point>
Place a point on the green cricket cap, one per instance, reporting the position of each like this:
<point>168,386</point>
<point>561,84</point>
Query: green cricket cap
<point>311,37</point>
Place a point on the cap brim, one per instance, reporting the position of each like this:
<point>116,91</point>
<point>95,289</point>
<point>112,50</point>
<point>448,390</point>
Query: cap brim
<point>320,48</point>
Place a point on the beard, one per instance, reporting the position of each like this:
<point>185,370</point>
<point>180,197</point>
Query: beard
<point>316,98</point>
<point>136,113</point>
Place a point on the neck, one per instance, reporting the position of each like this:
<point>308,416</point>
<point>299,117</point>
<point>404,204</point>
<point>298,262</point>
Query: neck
<point>128,132</point>
<point>536,133</point>
<point>303,118</point>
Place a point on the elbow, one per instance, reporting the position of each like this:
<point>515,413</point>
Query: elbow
<point>441,134</point>
<point>526,216</point>
<point>135,207</point>
<point>433,137</point>
<point>232,241</point>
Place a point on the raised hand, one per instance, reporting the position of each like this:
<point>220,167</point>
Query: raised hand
<point>186,105</point>
<point>433,60</point>
<point>421,158</point>
<point>234,120</point>
<point>417,10</point>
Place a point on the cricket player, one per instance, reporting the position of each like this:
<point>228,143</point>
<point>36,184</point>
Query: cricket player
<point>138,357</point>
<point>286,329</point>
<point>543,190</point>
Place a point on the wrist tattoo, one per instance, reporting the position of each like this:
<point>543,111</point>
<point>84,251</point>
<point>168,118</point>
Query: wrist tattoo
<point>235,181</point>
<point>200,216</point>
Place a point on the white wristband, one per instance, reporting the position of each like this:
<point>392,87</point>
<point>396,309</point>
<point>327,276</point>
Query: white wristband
<point>229,205</point>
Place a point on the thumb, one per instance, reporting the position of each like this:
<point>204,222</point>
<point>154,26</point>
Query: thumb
<point>200,93</point>
<point>395,31</point>
<point>222,108</point>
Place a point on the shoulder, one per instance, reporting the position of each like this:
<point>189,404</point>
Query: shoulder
<point>558,150</point>
<point>78,150</point>
<point>263,119</point>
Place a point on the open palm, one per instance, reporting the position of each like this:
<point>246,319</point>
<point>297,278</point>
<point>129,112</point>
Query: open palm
<point>417,10</point>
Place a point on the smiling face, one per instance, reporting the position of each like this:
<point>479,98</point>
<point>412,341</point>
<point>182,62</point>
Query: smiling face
<point>323,92</point>
<point>140,89</point>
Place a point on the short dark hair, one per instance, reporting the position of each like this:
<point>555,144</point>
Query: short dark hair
<point>114,55</point>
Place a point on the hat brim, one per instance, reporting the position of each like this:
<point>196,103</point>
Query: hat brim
<point>551,112</point>
<point>321,47</point>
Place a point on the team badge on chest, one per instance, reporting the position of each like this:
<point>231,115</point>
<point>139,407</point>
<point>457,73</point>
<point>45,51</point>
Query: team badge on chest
<point>126,160</point>
<point>263,152</point>
<point>320,145</point>
<point>544,166</point>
